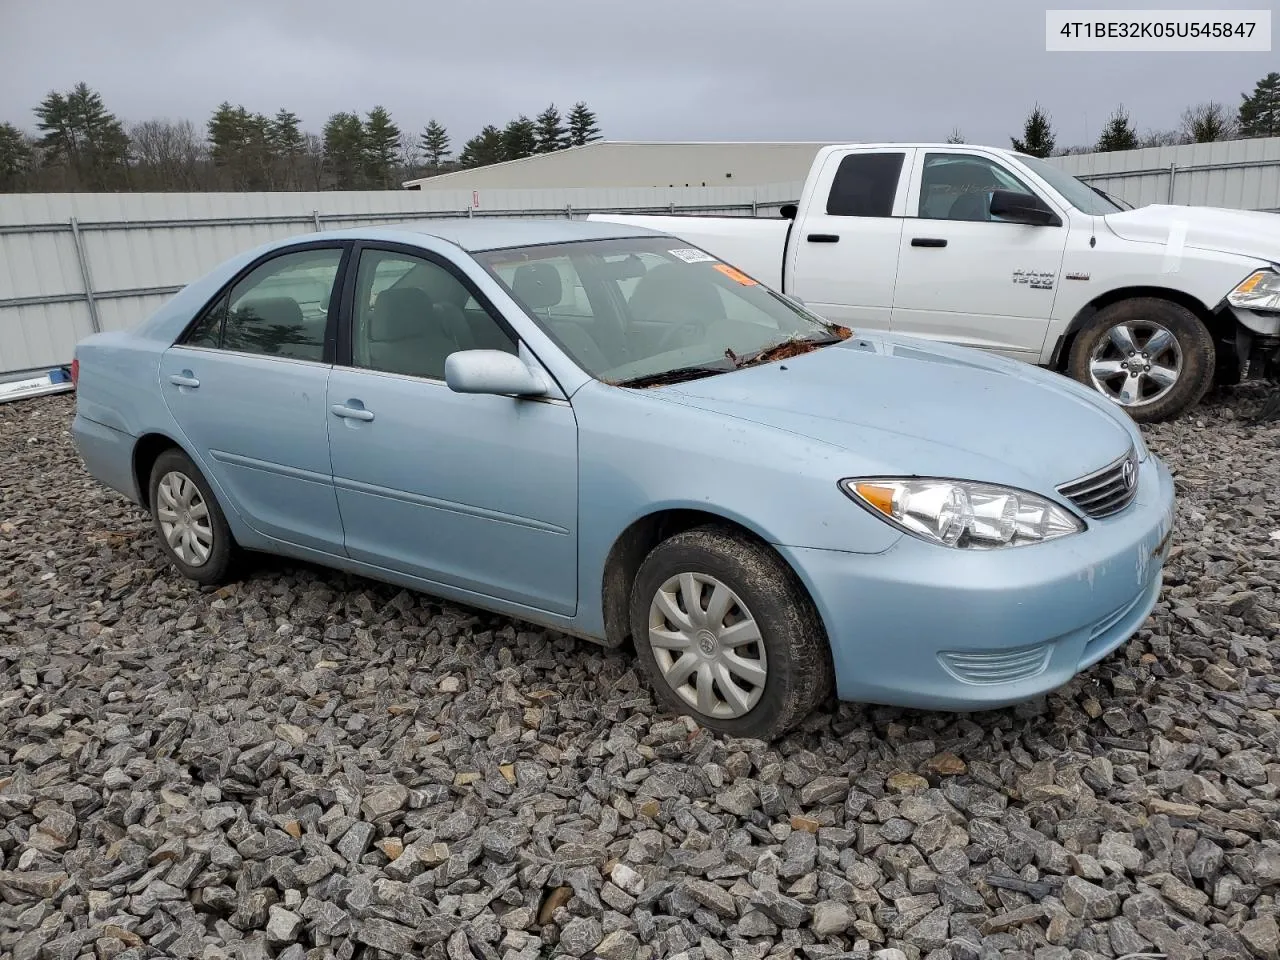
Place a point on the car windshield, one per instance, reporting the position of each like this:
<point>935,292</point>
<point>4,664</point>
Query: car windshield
<point>1076,192</point>
<point>645,310</point>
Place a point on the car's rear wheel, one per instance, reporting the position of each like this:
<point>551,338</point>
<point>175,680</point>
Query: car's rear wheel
<point>1152,357</point>
<point>193,529</point>
<point>726,634</point>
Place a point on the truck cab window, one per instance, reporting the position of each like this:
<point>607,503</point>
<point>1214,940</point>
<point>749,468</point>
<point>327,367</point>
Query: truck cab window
<point>865,185</point>
<point>959,186</point>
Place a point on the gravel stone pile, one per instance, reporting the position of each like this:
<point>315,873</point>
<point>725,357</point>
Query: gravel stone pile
<point>307,764</point>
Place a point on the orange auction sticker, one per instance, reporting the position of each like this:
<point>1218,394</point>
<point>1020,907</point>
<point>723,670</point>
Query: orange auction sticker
<point>733,273</point>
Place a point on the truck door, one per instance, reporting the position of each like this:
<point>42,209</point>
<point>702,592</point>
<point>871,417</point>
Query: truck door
<point>965,276</point>
<point>844,249</point>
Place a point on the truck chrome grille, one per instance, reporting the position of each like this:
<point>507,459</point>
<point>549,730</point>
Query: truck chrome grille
<point>1107,491</point>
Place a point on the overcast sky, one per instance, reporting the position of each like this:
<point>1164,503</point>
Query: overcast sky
<point>651,69</point>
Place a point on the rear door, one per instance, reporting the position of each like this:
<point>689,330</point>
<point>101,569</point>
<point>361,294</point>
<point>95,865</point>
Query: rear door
<point>845,246</point>
<point>967,277</point>
<point>247,386</point>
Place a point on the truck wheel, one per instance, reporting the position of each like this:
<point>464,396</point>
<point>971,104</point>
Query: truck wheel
<point>1152,357</point>
<point>726,634</point>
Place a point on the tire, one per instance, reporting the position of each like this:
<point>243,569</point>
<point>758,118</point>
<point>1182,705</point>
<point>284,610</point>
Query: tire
<point>209,554</point>
<point>796,661</point>
<point>1185,355</point>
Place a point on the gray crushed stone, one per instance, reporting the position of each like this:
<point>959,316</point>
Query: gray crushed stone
<point>310,765</point>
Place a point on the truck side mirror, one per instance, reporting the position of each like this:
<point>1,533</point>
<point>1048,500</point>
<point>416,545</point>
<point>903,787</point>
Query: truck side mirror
<point>1018,207</point>
<point>788,211</point>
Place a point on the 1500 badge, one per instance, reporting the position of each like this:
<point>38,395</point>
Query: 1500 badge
<point>1035,279</point>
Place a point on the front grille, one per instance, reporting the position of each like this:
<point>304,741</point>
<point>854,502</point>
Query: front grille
<point>996,666</point>
<point>1106,491</point>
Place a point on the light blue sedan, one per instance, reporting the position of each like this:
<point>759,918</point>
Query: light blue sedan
<point>605,431</point>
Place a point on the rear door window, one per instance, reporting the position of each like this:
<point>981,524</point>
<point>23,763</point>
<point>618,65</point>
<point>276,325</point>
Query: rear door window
<point>279,309</point>
<point>865,185</point>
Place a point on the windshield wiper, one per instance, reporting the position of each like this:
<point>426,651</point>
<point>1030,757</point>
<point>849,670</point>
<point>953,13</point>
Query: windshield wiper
<point>677,375</point>
<point>791,347</point>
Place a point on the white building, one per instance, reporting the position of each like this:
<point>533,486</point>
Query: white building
<point>618,163</point>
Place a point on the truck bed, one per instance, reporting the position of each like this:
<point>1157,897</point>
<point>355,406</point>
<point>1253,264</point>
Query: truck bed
<point>754,245</point>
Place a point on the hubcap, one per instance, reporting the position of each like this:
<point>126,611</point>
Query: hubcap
<point>708,646</point>
<point>1136,363</point>
<point>184,518</point>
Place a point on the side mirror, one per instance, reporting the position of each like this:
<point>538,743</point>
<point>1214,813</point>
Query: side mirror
<point>788,211</point>
<point>491,371</point>
<point>1018,207</point>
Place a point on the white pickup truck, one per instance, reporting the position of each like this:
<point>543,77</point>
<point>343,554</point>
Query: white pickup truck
<point>1004,252</point>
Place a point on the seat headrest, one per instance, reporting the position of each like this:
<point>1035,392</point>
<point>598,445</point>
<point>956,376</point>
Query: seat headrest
<point>538,285</point>
<point>671,291</point>
<point>401,313</point>
<point>281,311</point>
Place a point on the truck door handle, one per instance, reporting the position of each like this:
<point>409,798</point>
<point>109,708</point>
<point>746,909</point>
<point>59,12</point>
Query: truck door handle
<point>184,379</point>
<point>350,413</point>
<point>928,242</point>
<point>823,238</point>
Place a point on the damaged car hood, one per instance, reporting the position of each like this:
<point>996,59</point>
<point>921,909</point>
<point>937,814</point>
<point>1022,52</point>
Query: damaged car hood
<point>1246,233</point>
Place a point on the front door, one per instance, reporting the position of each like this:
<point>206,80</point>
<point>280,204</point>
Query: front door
<point>966,277</point>
<point>247,387</point>
<point>844,251</point>
<point>475,492</point>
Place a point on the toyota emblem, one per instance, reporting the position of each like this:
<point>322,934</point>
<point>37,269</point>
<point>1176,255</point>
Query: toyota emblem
<point>1127,474</point>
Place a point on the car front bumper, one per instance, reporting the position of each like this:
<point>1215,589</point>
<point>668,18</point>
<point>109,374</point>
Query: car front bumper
<point>933,627</point>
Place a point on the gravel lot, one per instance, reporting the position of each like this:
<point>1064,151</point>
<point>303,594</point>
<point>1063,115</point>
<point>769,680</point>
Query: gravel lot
<point>313,765</point>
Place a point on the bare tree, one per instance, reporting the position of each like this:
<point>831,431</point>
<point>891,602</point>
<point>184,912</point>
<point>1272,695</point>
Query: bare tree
<point>1208,122</point>
<point>1159,138</point>
<point>168,155</point>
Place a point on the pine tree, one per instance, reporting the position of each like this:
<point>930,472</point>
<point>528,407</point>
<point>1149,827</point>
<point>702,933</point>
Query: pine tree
<point>551,131</point>
<point>381,147</point>
<point>1207,123</point>
<point>344,150</point>
<point>519,139</point>
<point>435,144</point>
<point>285,139</point>
<point>242,146</point>
<point>1260,112</point>
<point>81,135</point>
<point>1118,133</point>
<point>484,148</point>
<point>582,125</point>
<point>15,157</point>
<point>1037,135</point>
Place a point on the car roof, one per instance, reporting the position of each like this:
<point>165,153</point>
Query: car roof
<point>475,234</point>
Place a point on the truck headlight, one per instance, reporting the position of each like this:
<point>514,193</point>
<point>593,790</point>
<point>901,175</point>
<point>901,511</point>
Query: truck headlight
<point>1259,291</point>
<point>959,513</point>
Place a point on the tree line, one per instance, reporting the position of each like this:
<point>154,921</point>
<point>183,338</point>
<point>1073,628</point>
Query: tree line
<point>1258,115</point>
<point>80,145</point>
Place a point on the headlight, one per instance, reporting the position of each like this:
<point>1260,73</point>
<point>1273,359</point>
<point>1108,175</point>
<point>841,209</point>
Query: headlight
<point>1260,291</point>
<point>957,513</point>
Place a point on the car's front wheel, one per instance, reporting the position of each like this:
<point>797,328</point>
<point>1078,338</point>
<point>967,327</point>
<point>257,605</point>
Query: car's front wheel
<point>727,635</point>
<point>193,530</point>
<point>1152,357</point>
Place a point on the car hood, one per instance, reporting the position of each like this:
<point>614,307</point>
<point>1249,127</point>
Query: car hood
<point>914,407</point>
<point>1246,233</point>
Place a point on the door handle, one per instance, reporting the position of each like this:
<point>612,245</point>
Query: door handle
<point>928,242</point>
<point>351,413</point>
<point>823,238</point>
<point>184,379</point>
